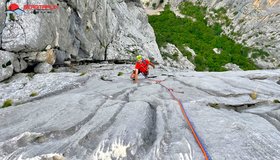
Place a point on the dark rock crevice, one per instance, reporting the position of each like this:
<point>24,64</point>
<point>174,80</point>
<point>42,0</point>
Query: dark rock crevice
<point>57,135</point>
<point>199,88</point>
<point>151,136</point>
<point>70,4</point>
<point>52,94</point>
<point>238,108</point>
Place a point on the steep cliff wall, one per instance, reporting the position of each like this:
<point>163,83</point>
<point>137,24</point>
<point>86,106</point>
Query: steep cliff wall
<point>78,30</point>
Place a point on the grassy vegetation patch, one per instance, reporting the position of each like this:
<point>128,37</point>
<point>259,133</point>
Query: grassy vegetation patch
<point>33,94</point>
<point>7,103</point>
<point>83,73</point>
<point>259,53</point>
<point>168,55</point>
<point>31,75</point>
<point>200,37</point>
<point>221,15</point>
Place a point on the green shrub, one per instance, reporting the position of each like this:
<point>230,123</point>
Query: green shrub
<point>83,73</point>
<point>276,101</point>
<point>33,94</point>
<point>12,17</point>
<point>259,53</point>
<point>185,52</point>
<point>214,105</point>
<point>31,75</point>
<point>221,15</point>
<point>7,64</point>
<point>173,57</point>
<point>88,28</point>
<point>134,51</point>
<point>7,103</point>
<point>241,21</point>
<point>200,37</point>
<point>221,11</point>
<point>154,5</point>
<point>217,29</point>
<point>120,73</point>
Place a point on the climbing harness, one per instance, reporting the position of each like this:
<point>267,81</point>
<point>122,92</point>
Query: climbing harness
<point>187,119</point>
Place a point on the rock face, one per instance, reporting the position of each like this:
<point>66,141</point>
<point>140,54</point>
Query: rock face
<point>76,31</point>
<point>43,68</point>
<point>118,119</point>
<point>96,29</point>
<point>46,56</point>
<point>267,63</point>
<point>6,65</point>
<point>232,67</point>
<point>174,58</point>
<point>19,65</point>
<point>2,17</point>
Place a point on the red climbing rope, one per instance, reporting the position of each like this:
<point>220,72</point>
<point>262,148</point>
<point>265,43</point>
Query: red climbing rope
<point>195,135</point>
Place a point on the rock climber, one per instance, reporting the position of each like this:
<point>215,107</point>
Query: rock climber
<point>141,66</point>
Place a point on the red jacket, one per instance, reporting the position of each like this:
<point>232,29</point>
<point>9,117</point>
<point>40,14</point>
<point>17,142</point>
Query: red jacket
<point>143,66</point>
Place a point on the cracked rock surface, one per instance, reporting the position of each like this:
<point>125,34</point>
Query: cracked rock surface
<point>114,118</point>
